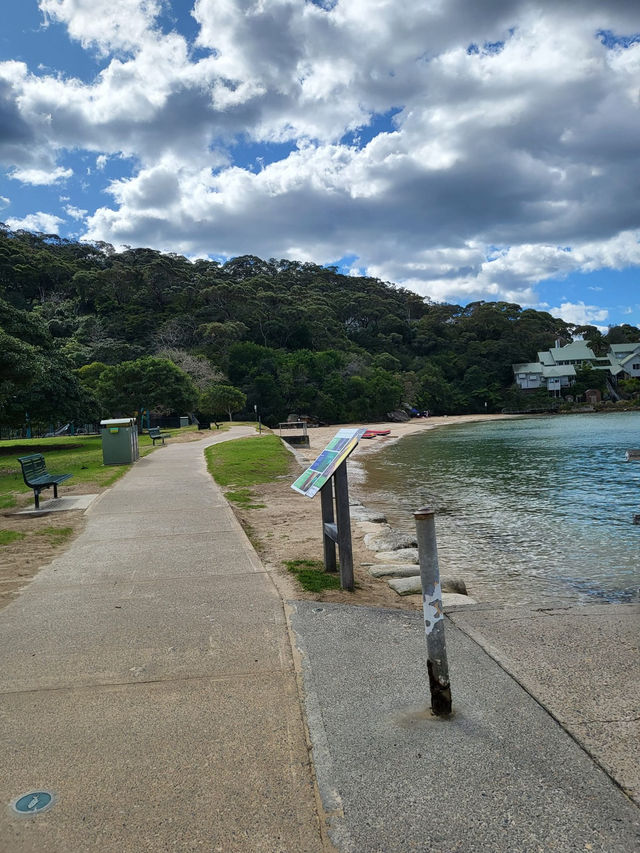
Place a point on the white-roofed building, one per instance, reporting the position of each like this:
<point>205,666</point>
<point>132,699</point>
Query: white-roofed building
<point>625,359</point>
<point>556,368</point>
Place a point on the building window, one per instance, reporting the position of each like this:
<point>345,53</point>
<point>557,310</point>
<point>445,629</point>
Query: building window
<point>635,366</point>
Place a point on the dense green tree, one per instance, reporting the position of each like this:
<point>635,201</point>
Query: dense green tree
<point>89,374</point>
<point>630,387</point>
<point>222,399</point>
<point>20,367</point>
<point>593,337</point>
<point>149,383</point>
<point>292,336</point>
<point>586,379</point>
<point>57,397</point>
<point>624,334</point>
<point>35,383</point>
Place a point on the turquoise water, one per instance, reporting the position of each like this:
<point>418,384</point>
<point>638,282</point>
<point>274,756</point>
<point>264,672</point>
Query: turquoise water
<point>529,511</point>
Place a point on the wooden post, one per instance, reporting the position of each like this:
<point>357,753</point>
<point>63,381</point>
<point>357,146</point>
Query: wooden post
<point>338,531</point>
<point>343,518</point>
<point>326,499</point>
<point>437,663</point>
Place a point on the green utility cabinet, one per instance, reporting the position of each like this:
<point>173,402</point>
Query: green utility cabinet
<point>119,441</point>
<point>184,421</point>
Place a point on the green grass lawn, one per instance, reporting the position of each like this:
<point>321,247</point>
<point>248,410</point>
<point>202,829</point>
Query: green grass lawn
<point>78,455</point>
<point>246,462</point>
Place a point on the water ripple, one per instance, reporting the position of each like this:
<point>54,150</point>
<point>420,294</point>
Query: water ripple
<point>532,510</point>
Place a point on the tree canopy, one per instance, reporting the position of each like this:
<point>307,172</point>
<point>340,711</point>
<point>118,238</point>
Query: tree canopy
<point>146,383</point>
<point>222,399</point>
<point>290,336</point>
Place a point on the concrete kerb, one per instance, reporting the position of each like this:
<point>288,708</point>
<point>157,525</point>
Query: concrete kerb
<point>333,829</point>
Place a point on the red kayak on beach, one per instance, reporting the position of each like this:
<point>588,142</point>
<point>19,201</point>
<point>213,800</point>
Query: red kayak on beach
<point>372,433</point>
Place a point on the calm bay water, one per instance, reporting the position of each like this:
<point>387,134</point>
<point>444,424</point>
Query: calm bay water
<point>529,511</point>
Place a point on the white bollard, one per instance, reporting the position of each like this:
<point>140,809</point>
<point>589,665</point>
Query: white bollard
<point>432,609</point>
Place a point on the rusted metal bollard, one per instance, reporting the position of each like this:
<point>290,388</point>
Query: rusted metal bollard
<point>433,616</point>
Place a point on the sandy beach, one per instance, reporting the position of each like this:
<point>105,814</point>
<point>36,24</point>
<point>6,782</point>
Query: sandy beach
<point>289,526</point>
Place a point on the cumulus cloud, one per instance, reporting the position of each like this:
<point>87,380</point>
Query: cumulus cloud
<point>48,223</point>
<point>516,128</point>
<point>581,314</point>
<point>41,177</point>
<point>104,24</point>
<point>75,212</point>
<point>4,202</point>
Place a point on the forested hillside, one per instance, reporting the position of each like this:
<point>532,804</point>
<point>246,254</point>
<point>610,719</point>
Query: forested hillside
<point>293,337</point>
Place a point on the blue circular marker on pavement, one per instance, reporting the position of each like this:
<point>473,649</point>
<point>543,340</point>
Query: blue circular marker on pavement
<point>33,803</point>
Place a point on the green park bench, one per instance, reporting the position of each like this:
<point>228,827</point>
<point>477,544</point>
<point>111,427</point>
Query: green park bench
<point>156,435</point>
<point>36,476</point>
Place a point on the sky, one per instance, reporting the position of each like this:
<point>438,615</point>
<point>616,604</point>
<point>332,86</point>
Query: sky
<point>464,150</point>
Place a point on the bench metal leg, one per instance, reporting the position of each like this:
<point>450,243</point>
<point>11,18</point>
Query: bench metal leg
<point>55,490</point>
<point>36,494</point>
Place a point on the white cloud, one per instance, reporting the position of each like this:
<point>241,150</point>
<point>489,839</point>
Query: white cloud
<point>75,212</point>
<point>45,222</point>
<point>4,202</point>
<point>105,24</point>
<point>41,177</point>
<point>508,163</point>
<point>581,314</point>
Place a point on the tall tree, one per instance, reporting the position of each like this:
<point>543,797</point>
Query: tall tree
<point>156,384</point>
<point>219,399</point>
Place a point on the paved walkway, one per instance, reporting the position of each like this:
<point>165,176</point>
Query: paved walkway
<point>499,776</point>
<point>582,664</point>
<point>147,681</point>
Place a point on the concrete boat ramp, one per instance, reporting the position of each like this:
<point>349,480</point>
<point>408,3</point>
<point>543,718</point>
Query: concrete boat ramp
<point>156,694</point>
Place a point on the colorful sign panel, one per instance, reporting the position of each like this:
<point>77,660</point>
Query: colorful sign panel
<point>341,445</point>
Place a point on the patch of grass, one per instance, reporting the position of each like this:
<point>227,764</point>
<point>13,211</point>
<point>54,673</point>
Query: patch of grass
<point>55,535</point>
<point>312,576</point>
<point>245,462</point>
<point>80,456</point>
<point>9,536</point>
<point>243,498</point>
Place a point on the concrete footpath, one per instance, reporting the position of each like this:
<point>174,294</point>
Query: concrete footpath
<point>148,682</point>
<point>499,775</point>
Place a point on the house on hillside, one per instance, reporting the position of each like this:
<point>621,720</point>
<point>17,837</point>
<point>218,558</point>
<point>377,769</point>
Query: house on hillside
<point>625,360</point>
<point>531,375</point>
<point>556,368</point>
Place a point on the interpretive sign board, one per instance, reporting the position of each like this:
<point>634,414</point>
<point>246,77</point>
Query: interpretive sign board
<point>339,448</point>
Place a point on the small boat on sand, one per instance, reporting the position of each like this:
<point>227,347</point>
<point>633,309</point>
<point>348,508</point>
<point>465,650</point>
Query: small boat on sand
<point>372,433</point>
